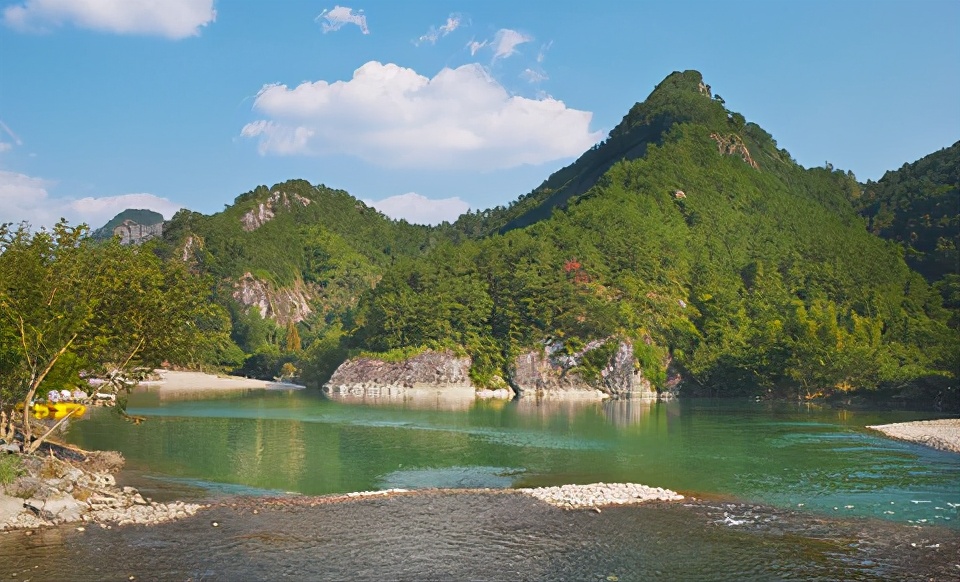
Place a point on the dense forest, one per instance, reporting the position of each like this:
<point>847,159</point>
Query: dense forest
<point>688,231</point>
<point>918,206</point>
<point>713,250</point>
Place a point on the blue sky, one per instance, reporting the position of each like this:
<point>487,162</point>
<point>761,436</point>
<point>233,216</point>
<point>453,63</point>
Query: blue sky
<point>427,108</point>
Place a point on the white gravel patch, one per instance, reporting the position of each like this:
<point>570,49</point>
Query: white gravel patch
<point>601,494</point>
<point>940,434</point>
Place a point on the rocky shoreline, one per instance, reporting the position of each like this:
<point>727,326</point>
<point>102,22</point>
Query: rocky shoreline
<point>55,491</point>
<point>941,434</point>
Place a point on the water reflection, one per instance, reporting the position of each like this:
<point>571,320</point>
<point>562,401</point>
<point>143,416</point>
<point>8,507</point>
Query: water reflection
<point>452,399</point>
<point>300,441</point>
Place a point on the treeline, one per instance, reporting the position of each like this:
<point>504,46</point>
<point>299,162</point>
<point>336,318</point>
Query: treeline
<point>71,305</point>
<point>918,206</point>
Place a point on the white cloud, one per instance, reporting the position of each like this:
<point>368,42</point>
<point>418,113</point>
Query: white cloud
<point>173,19</point>
<point>418,209</point>
<point>505,42</point>
<point>26,198</point>
<point>474,46</point>
<point>392,116</point>
<point>340,16</point>
<point>542,55</point>
<point>534,76</point>
<point>6,128</point>
<point>5,147</point>
<point>434,34</point>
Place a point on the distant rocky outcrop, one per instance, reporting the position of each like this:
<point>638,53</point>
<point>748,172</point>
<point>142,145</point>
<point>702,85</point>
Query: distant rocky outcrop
<point>267,209</point>
<point>367,376</point>
<point>732,145</point>
<point>283,305</point>
<point>553,371</point>
<point>131,232</point>
<point>191,246</point>
<point>133,226</point>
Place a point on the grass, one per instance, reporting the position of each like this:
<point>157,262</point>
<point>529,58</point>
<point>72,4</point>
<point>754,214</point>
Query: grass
<point>10,468</point>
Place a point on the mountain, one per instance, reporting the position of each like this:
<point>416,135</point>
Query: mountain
<point>291,256</point>
<point>687,234</point>
<point>133,226</point>
<point>645,124</point>
<point>690,233</point>
<point>918,207</point>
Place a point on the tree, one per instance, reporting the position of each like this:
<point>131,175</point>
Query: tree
<point>293,338</point>
<point>70,304</point>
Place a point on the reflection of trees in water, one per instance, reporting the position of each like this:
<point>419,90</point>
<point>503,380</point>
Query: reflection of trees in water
<point>624,413</point>
<point>412,399</point>
<point>618,413</point>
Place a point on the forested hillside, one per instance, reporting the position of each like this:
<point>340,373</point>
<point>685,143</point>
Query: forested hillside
<point>705,244</point>
<point>688,231</point>
<point>291,262</point>
<point>918,206</point>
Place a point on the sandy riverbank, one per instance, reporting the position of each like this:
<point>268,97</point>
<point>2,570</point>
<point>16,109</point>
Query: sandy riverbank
<point>171,380</point>
<point>940,434</point>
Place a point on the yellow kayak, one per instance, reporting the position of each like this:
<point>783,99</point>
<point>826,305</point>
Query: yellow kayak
<point>58,410</point>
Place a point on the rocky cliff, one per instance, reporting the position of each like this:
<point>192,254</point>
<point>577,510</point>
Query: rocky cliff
<point>133,226</point>
<point>554,371</point>
<point>267,209</point>
<point>373,377</point>
<point>132,233</point>
<point>551,372</point>
<point>283,305</point>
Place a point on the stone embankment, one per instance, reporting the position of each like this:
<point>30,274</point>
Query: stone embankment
<point>55,492</point>
<point>600,494</point>
<point>940,434</point>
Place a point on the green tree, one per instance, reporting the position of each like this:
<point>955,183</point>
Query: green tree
<point>292,342</point>
<point>69,303</point>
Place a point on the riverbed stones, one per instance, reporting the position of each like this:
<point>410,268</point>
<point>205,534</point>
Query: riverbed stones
<point>75,495</point>
<point>600,494</point>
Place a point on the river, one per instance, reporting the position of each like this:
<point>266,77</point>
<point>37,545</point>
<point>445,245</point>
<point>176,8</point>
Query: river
<point>776,490</point>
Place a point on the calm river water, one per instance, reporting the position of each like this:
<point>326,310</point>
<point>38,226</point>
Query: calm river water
<point>782,491</point>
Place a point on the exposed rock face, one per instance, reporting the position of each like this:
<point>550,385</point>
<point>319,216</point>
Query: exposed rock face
<point>131,232</point>
<point>372,377</point>
<point>282,305</point>
<point>732,145</point>
<point>552,372</point>
<point>193,244</point>
<point>267,209</point>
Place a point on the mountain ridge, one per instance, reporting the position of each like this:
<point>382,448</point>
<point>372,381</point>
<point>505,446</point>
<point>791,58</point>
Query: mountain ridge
<point>688,232</point>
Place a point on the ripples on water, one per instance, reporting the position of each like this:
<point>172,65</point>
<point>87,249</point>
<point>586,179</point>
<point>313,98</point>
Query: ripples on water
<point>474,536</point>
<point>796,457</point>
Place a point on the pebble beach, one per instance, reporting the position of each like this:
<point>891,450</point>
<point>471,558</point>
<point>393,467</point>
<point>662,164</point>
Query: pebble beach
<point>941,434</point>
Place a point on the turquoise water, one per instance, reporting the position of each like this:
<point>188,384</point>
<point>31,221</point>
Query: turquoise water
<point>790,456</point>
